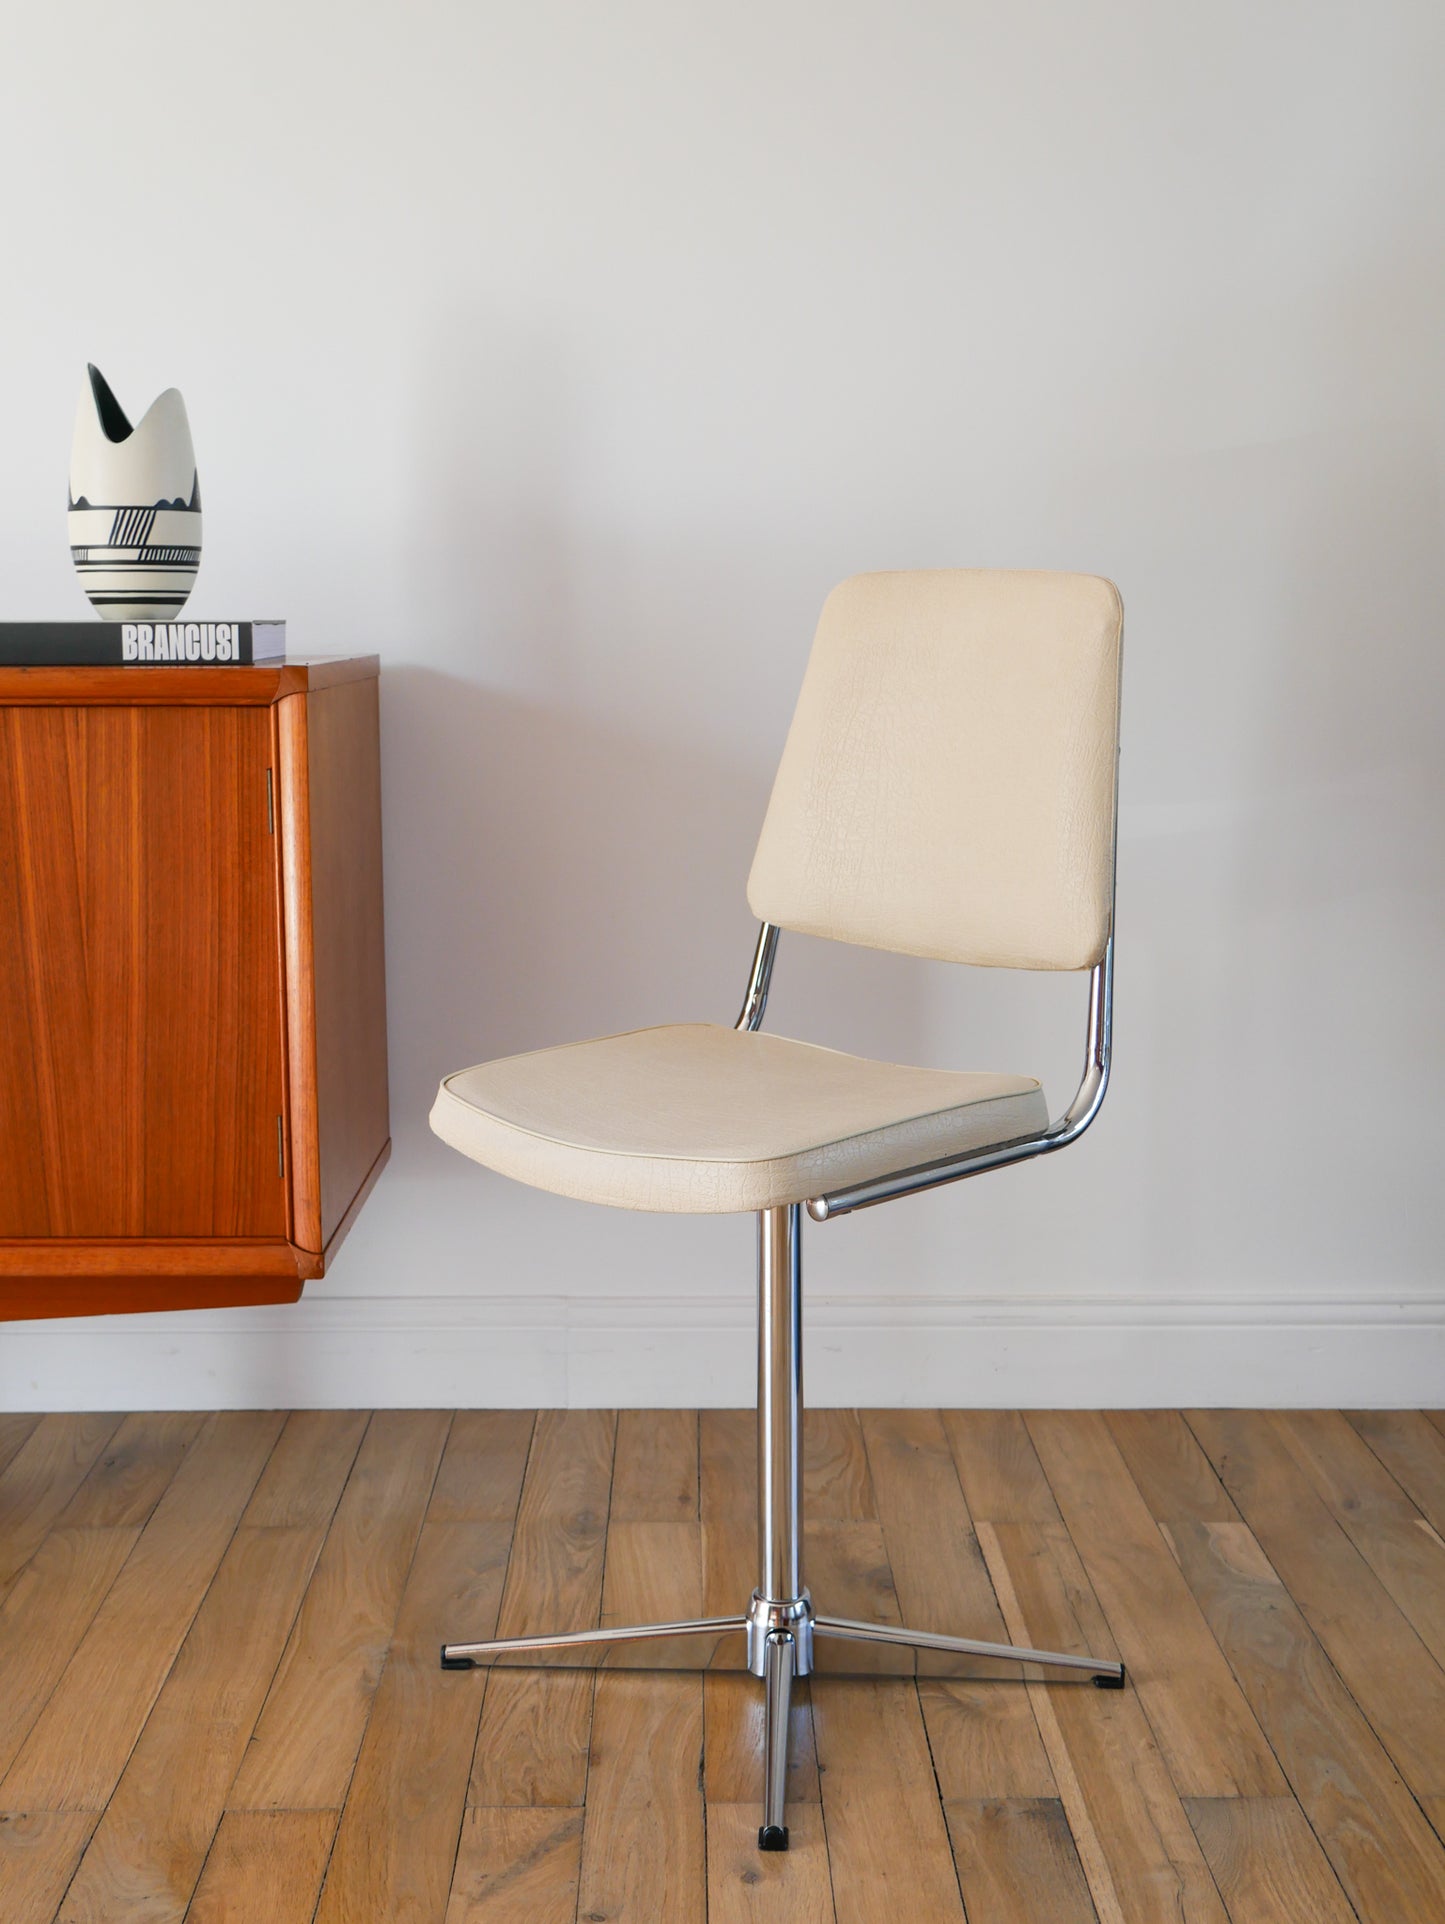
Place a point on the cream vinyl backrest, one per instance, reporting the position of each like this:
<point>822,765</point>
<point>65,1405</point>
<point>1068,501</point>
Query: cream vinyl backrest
<point>947,787</point>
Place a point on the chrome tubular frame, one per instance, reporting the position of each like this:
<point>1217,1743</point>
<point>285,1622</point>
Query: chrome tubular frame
<point>1065,1129</point>
<point>760,980</point>
<point>779,1626</point>
<point>780,1404</point>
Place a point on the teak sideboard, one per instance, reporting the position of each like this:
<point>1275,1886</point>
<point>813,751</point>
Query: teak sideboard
<point>193,1098</point>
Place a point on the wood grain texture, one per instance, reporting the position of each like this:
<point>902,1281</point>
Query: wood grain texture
<point>38,1855</point>
<point>656,1477</point>
<point>264,1867</point>
<point>887,1839</point>
<point>305,1743</point>
<point>644,1769</point>
<point>1139,1854</point>
<point>517,1866</point>
<point>848,1564</point>
<point>348,950</point>
<point>1172,1473</point>
<point>1206,1730</point>
<point>749,1886</point>
<point>99,1279</point>
<point>77,1748</point>
<point>396,1843</point>
<point>1017,1863</point>
<point>1381,1851</point>
<point>1388,1669</point>
<point>987,1740</point>
<point>196,687</point>
<point>1413,1451</point>
<point>397,1838</point>
<point>532,1739</point>
<point>136,1260</point>
<point>329,774</point>
<point>480,1479</point>
<point>131,921</point>
<point>1398,1543</point>
<point>44,1617</point>
<point>142,1641</point>
<point>302,1119</point>
<point>15,1430</point>
<point>40,1480</point>
<point>149,1846</point>
<point>727,1502</point>
<point>984,1740</point>
<point>653,1573</point>
<point>134,1471</point>
<point>51,1603</point>
<point>1178,1476</point>
<point>302,1483</point>
<point>881,1807</point>
<point>937,1569</point>
<point>535,1726</point>
<point>141,875</point>
<point>728,1468</point>
<point>998,1467</point>
<point>644,1784</point>
<point>836,1479</point>
<point>1267,1861</point>
<point>1384,1853</point>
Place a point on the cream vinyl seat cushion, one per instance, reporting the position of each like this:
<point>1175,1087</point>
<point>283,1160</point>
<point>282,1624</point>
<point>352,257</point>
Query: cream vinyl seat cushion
<point>695,1118</point>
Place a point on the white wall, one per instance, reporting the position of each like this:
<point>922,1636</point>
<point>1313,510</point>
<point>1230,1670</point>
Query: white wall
<point>566,355</point>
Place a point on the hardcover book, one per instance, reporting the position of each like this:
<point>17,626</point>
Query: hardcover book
<point>140,644</point>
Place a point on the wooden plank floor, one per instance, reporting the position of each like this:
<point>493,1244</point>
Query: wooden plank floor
<point>220,1698</point>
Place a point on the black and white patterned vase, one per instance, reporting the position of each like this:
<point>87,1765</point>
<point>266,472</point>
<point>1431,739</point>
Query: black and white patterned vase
<point>135,505</point>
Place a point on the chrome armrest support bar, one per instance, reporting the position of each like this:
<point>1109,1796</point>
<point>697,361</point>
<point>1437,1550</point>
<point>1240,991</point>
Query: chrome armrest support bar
<point>1066,1129</point>
<point>756,999</point>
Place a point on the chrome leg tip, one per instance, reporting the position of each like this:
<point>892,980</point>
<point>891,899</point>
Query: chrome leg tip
<point>773,1837</point>
<point>455,1663</point>
<point>1111,1683</point>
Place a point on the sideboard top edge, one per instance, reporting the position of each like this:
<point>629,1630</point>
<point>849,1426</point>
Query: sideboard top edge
<point>133,686</point>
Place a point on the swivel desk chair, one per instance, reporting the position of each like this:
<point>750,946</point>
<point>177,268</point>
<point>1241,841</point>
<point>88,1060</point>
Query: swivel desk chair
<point>947,789</point>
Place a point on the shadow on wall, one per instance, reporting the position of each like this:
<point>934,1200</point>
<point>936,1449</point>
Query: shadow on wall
<point>551,876</point>
<point>552,872</point>
<point>567,846</point>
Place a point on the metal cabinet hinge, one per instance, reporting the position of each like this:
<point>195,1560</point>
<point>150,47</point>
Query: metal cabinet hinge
<point>280,1150</point>
<point>270,805</point>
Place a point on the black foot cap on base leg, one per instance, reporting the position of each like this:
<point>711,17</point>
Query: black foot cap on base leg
<point>1112,1683</point>
<point>456,1663</point>
<point>773,1837</point>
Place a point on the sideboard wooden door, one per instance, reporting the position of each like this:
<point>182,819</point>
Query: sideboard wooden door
<point>141,1045</point>
<point>193,1081</point>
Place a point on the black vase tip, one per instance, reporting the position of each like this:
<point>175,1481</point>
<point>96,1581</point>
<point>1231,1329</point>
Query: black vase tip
<point>113,420</point>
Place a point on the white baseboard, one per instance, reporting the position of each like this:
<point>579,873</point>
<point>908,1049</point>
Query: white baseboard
<point>634,1351</point>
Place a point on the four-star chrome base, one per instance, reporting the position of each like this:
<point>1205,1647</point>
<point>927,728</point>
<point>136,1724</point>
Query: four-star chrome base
<point>781,1628</point>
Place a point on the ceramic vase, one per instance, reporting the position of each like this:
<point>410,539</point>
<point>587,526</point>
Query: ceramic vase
<point>135,505</point>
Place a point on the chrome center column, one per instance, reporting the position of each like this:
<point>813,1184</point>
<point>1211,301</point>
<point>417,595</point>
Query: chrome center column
<point>780,1603</point>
